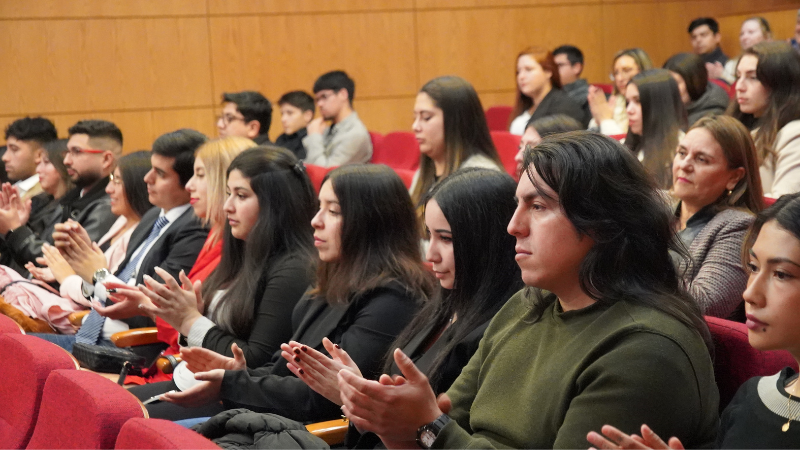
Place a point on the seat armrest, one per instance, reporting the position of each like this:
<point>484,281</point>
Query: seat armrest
<point>165,365</point>
<point>76,318</point>
<point>331,431</point>
<point>135,337</point>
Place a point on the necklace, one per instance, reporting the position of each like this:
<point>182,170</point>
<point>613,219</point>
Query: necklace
<point>785,426</point>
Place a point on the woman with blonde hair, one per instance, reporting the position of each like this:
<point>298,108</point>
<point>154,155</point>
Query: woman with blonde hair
<point>609,115</point>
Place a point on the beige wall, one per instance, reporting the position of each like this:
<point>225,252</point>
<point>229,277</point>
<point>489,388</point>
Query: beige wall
<point>152,66</point>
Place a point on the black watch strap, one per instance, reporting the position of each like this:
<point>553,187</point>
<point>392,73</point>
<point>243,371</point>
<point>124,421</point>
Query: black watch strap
<point>428,433</point>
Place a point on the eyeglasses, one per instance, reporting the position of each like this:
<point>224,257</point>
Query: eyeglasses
<point>75,151</point>
<point>115,179</point>
<point>226,119</point>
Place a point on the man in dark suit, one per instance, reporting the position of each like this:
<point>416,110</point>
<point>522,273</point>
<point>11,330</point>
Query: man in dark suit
<point>169,236</point>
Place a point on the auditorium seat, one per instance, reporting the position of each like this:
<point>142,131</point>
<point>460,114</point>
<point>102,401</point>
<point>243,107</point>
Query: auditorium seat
<point>608,89</point>
<point>27,361</point>
<point>769,201</point>
<point>507,146</point>
<point>159,434</point>
<point>725,86</point>
<point>398,150</point>
<point>618,137</point>
<point>81,409</point>
<point>376,139</point>
<point>316,174</point>
<point>497,118</point>
<point>736,361</point>
<point>7,325</point>
<point>406,175</point>
<point>331,431</point>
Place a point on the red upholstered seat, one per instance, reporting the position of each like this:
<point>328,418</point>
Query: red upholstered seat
<point>507,146</point>
<point>159,434</point>
<point>398,150</point>
<point>376,139</point>
<point>7,325</point>
<point>317,174</point>
<point>769,201</point>
<point>406,175</point>
<point>81,409</point>
<point>735,361</point>
<point>608,89</point>
<point>27,361</point>
<point>725,86</point>
<point>497,117</point>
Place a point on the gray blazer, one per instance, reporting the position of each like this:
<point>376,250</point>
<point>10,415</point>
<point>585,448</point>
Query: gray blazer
<point>716,278</point>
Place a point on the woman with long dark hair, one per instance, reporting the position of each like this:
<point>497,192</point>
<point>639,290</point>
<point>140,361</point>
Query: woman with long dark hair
<point>768,102</point>
<point>539,92</point>
<point>656,120</point>
<point>603,332</point>
<point>701,97</point>
<point>765,412</point>
<point>370,283</point>
<point>266,266</point>
<point>451,129</point>
<point>472,255</point>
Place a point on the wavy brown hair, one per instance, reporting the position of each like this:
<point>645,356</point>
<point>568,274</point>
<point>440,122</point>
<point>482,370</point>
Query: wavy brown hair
<point>545,59</point>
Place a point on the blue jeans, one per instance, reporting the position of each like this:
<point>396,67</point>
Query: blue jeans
<point>66,341</point>
<point>189,423</point>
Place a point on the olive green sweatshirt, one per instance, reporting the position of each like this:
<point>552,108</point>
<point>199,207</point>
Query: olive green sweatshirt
<point>547,383</point>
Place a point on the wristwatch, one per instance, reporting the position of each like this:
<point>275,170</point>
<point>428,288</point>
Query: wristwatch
<point>427,433</point>
<point>99,276</point>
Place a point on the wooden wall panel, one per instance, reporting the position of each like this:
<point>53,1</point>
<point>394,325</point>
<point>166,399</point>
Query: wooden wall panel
<point>454,4</point>
<point>111,64</point>
<point>782,24</point>
<point>276,54</point>
<point>16,9</point>
<point>303,6</point>
<point>481,45</point>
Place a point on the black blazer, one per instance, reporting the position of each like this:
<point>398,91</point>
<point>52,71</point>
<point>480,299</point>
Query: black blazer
<point>175,250</point>
<point>366,327</point>
<point>559,102</point>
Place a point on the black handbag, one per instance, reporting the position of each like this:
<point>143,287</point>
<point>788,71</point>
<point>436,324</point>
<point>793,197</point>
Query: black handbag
<point>100,358</point>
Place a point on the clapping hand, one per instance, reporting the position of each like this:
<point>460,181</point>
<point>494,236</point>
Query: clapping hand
<point>613,438</point>
<point>318,371</point>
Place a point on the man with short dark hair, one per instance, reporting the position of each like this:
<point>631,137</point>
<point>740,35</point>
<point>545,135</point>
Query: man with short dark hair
<point>245,114</point>
<point>346,140</point>
<point>169,237</point>
<point>569,60</point>
<point>704,32</point>
<point>92,152</point>
<point>297,110</point>
<point>25,139</point>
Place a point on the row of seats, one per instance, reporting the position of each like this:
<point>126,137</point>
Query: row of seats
<point>400,151</point>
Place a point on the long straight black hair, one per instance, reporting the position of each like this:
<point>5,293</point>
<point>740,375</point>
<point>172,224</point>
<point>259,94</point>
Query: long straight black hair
<point>663,117</point>
<point>133,167</point>
<point>607,194</point>
<point>478,204</point>
<point>286,205</point>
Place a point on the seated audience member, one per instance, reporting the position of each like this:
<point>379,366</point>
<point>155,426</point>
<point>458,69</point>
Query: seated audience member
<point>656,118</point>
<point>452,133</point>
<point>541,128</point>
<point>539,92</point>
<point>346,140</point>
<point>128,194</point>
<point>700,97</point>
<point>266,267</point>
<point>465,214</point>
<point>370,284</point>
<point>754,30</point>
<point>764,412</point>
<point>705,35</point>
<point>25,139</point>
<point>245,114</point>
<point>768,102</point>
<point>609,116</point>
<point>569,60</point>
<point>92,151</point>
<point>715,178</point>
<point>168,236</point>
<point>207,194</point>
<point>575,349</point>
<point>297,110</point>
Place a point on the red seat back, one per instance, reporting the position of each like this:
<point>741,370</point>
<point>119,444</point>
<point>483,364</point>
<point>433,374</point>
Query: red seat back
<point>398,150</point>
<point>316,174</point>
<point>608,89</point>
<point>406,175</point>
<point>160,434</point>
<point>736,361</point>
<point>376,139</point>
<point>81,409</point>
<point>618,137</point>
<point>497,117</point>
<point>725,86</point>
<point>27,361</point>
<point>507,146</point>
<point>7,325</point>
<point>769,201</point>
